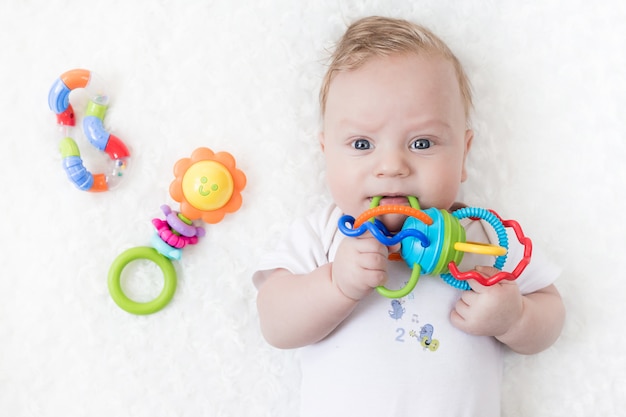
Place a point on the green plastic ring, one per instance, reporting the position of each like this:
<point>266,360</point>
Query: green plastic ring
<point>115,286</point>
<point>406,290</point>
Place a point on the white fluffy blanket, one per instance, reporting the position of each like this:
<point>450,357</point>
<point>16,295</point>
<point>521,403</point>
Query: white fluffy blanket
<point>242,76</point>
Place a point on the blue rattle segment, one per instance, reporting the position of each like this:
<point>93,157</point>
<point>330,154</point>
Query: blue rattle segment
<point>77,173</point>
<point>165,249</point>
<point>95,133</point>
<point>379,231</point>
<point>492,219</point>
<point>456,283</point>
<point>93,127</point>
<point>425,256</point>
<point>73,165</point>
<point>59,97</point>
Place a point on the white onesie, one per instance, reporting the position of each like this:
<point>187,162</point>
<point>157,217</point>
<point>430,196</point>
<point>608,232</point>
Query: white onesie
<point>399,357</point>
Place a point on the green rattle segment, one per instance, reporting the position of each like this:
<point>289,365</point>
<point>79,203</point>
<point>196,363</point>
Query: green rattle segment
<point>184,219</point>
<point>413,202</point>
<point>451,232</point>
<point>68,147</point>
<point>404,291</point>
<point>375,201</point>
<point>95,109</point>
<point>115,285</point>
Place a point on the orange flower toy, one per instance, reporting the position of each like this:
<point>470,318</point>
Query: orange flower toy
<point>208,186</point>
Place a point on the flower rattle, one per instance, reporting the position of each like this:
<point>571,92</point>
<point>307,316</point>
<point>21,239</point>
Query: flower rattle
<point>208,186</point>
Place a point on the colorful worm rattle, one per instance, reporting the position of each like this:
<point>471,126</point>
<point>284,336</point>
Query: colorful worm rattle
<point>59,102</point>
<point>433,242</point>
<point>208,185</point>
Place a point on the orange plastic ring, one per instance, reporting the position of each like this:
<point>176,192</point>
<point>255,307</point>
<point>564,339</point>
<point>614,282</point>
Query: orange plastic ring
<point>392,209</point>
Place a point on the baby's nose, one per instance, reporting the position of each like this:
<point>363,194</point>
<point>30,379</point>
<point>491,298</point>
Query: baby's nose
<point>392,164</point>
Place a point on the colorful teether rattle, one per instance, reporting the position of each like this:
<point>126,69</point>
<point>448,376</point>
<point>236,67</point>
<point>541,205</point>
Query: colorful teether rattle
<point>433,242</point>
<point>59,102</point>
<point>208,185</point>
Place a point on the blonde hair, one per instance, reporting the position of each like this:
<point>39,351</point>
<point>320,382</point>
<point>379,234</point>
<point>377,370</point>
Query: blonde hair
<point>381,36</point>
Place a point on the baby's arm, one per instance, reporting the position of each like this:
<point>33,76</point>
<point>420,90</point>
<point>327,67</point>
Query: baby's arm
<point>298,310</point>
<point>526,323</point>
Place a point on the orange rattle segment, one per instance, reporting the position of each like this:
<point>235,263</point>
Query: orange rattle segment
<point>99,183</point>
<point>77,78</point>
<point>395,256</point>
<point>393,209</point>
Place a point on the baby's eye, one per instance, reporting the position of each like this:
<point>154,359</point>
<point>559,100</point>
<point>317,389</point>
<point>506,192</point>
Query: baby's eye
<point>361,144</point>
<point>421,143</point>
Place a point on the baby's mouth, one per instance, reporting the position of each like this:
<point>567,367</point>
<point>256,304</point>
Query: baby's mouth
<point>400,200</point>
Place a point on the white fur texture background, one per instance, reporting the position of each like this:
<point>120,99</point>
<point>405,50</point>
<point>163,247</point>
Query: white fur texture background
<point>243,77</point>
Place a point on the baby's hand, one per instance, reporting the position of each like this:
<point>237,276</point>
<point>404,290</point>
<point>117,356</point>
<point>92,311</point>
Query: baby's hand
<point>359,266</point>
<point>488,311</point>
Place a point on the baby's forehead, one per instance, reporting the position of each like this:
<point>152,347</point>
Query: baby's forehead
<point>410,68</point>
<point>401,59</point>
<point>412,85</point>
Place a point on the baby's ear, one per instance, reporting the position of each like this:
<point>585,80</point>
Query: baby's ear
<point>469,135</point>
<point>321,138</point>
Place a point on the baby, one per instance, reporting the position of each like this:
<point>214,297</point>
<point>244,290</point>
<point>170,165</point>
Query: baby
<point>395,105</point>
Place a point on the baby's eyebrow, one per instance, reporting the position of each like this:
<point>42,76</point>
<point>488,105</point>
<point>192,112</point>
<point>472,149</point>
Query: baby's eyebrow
<point>418,127</point>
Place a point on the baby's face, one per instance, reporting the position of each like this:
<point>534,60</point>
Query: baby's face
<point>395,127</point>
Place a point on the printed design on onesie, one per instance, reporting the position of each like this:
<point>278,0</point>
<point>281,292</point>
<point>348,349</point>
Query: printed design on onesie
<point>397,311</point>
<point>423,335</point>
